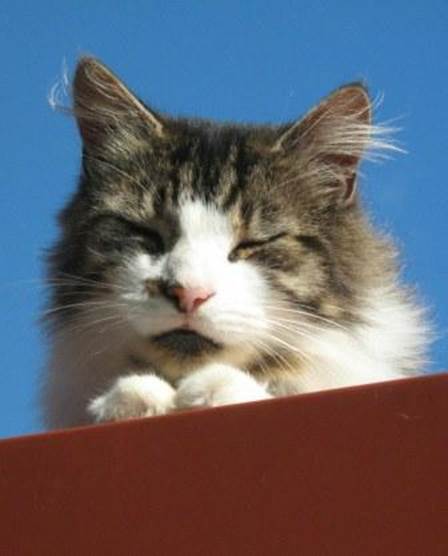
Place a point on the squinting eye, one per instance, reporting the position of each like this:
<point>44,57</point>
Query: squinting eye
<point>244,250</point>
<point>117,233</point>
<point>247,248</point>
<point>150,239</point>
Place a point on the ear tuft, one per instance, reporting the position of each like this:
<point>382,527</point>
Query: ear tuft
<point>348,106</point>
<point>102,103</point>
<point>329,142</point>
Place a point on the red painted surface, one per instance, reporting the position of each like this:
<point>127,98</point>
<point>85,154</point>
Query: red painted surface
<point>358,471</point>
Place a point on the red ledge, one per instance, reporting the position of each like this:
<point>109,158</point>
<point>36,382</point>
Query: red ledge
<point>356,471</point>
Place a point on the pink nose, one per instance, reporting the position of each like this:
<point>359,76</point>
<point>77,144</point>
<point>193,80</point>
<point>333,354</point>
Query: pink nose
<point>189,299</point>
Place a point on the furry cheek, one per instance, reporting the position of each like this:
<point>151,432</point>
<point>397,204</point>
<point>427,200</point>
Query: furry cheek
<point>147,314</point>
<point>234,315</point>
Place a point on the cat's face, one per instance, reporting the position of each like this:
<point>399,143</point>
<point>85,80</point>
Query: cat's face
<point>200,254</point>
<point>208,239</point>
<point>193,294</point>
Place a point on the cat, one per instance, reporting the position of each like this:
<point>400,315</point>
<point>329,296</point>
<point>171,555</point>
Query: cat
<point>203,264</point>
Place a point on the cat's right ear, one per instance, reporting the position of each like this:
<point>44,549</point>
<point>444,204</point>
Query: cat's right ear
<point>328,143</point>
<point>103,105</point>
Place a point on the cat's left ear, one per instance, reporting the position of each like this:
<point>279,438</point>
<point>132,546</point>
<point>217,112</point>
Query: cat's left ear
<point>103,105</point>
<point>327,144</point>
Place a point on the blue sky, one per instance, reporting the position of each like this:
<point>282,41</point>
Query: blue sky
<point>260,61</point>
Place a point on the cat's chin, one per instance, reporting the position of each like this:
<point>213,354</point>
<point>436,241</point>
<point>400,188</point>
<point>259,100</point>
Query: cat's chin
<point>185,342</point>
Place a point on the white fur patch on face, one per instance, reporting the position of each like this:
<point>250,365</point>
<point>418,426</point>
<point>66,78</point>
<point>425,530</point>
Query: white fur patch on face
<point>201,259</point>
<point>234,314</point>
<point>200,221</point>
<point>201,254</point>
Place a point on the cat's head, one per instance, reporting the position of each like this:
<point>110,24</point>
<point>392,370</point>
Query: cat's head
<point>213,240</point>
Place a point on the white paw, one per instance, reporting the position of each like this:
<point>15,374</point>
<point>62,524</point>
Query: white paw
<point>133,396</point>
<point>216,385</point>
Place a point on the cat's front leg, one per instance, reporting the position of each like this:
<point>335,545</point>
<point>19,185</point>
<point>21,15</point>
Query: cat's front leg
<point>133,396</point>
<point>218,384</point>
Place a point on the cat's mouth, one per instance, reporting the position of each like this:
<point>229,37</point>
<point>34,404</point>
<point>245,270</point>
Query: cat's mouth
<point>186,342</point>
